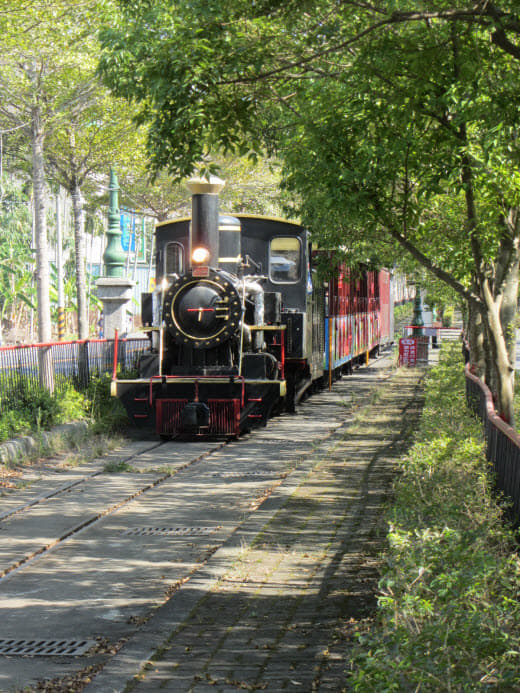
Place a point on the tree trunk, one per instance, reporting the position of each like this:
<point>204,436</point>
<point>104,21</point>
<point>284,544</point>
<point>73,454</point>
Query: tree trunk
<point>80,259</point>
<point>502,376</point>
<point>509,305</point>
<point>42,251</point>
<point>475,336</point>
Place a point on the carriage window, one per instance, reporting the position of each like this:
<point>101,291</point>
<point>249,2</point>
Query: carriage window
<point>285,260</point>
<point>173,259</point>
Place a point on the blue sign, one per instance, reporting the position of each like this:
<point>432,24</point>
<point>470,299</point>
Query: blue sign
<point>127,225</point>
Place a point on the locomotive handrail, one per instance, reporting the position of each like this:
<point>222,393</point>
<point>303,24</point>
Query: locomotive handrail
<point>195,379</point>
<point>275,328</point>
<point>267,328</point>
<point>161,346</point>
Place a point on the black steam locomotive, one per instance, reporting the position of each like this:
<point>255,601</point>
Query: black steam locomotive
<point>237,329</point>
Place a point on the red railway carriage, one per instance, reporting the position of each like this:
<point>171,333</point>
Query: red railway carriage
<point>359,316</point>
<point>238,325</point>
<point>386,313</point>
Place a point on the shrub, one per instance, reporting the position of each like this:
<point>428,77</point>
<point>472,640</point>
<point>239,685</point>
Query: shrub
<point>13,423</point>
<point>107,413</point>
<point>36,409</point>
<point>72,405</point>
<point>448,615</point>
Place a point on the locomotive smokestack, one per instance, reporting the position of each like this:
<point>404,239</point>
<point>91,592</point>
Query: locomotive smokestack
<point>204,233</point>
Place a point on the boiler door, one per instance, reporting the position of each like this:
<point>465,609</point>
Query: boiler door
<point>197,311</point>
<point>202,312</point>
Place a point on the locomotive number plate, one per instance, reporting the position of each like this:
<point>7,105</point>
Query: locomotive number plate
<point>200,272</point>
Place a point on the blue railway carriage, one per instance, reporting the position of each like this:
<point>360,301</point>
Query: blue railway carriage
<point>238,329</point>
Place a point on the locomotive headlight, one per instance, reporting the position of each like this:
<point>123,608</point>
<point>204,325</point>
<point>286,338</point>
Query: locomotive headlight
<point>200,255</point>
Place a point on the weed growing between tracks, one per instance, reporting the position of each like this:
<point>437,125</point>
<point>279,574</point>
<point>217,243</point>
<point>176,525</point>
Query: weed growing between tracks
<point>449,615</point>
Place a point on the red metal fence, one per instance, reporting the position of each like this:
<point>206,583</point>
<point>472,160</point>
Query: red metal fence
<point>67,362</point>
<point>503,442</point>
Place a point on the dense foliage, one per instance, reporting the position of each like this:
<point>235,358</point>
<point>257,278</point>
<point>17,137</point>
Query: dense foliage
<point>16,278</point>
<point>448,617</point>
<point>106,413</point>
<point>396,123</point>
<point>36,410</point>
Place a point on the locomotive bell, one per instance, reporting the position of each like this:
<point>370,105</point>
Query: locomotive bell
<point>204,233</point>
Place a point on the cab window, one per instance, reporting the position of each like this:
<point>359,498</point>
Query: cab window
<point>173,259</point>
<point>285,260</point>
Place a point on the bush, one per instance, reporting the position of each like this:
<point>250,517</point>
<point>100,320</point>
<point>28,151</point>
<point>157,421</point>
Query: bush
<point>36,409</point>
<point>448,615</point>
<point>12,424</point>
<point>107,413</point>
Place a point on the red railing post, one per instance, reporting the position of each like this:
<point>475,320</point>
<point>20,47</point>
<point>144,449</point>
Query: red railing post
<point>116,348</point>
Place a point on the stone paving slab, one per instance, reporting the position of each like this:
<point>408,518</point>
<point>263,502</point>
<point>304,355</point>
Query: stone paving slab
<point>274,608</point>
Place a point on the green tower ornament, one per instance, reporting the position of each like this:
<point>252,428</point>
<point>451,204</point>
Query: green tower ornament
<point>114,257</point>
<point>417,321</point>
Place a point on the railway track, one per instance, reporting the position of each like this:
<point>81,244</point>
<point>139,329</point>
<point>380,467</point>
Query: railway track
<point>85,561</point>
<point>72,507</point>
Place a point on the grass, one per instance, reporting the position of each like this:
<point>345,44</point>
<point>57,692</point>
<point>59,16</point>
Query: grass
<point>117,467</point>
<point>448,614</point>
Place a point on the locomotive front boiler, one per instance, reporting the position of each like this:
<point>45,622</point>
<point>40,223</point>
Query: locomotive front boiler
<point>202,312</point>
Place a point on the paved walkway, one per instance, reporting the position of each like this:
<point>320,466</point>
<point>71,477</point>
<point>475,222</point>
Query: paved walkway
<point>276,608</point>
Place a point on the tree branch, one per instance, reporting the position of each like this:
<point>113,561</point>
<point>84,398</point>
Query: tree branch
<point>483,13</point>
<point>426,262</point>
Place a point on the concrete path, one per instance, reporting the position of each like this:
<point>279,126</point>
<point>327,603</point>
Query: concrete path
<point>276,607</point>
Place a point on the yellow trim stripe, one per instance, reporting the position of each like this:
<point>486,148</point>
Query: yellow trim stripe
<point>267,218</point>
<point>172,221</point>
<point>238,216</point>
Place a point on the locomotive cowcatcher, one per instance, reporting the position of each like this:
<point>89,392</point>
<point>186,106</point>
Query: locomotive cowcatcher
<point>237,327</point>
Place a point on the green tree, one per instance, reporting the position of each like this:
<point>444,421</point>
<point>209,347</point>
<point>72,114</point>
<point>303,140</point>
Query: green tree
<point>395,125</point>
<point>251,186</point>
<point>16,259</point>
<point>51,92</point>
<point>40,48</point>
<point>81,149</point>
